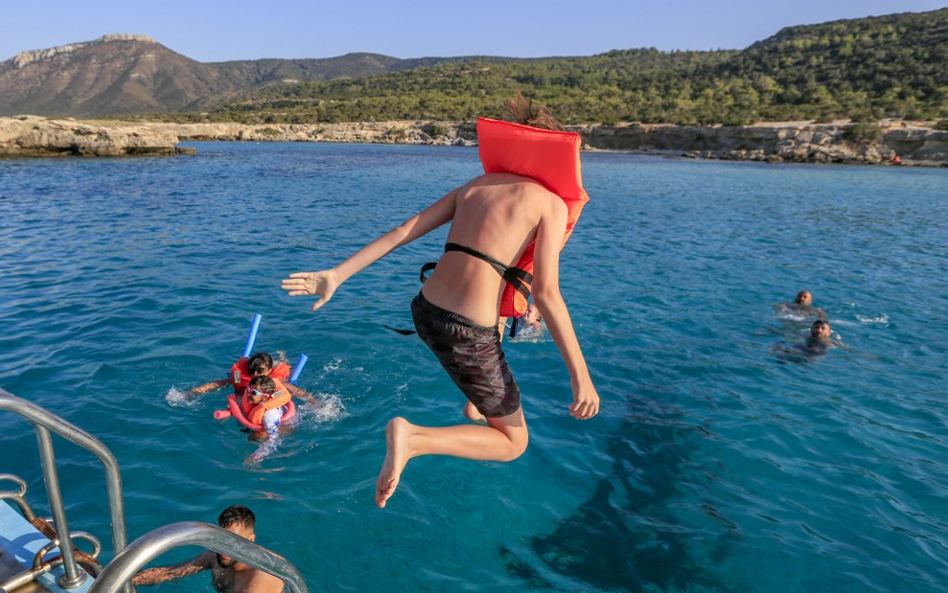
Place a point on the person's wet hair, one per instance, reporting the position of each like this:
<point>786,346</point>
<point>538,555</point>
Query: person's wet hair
<point>236,515</point>
<point>525,111</point>
<point>262,383</point>
<point>260,362</point>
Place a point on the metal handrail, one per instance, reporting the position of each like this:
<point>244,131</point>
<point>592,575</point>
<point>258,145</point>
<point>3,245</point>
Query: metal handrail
<point>143,550</point>
<point>42,566</point>
<point>43,422</point>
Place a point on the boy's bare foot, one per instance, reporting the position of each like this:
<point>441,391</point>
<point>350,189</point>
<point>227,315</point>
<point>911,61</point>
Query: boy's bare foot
<point>397,455</point>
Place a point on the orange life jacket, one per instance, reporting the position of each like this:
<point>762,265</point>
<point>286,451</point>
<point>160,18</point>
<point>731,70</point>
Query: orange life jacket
<point>240,374</point>
<point>254,414</point>
<point>549,157</point>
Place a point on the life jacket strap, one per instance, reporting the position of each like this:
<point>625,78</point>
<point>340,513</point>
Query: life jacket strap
<point>520,279</point>
<point>514,326</point>
<point>427,268</point>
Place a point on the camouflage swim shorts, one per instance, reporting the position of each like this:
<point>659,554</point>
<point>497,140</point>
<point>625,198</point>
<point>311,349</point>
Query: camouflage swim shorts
<point>472,356</point>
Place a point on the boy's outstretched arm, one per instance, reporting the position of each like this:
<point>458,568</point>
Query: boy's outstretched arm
<point>323,284</point>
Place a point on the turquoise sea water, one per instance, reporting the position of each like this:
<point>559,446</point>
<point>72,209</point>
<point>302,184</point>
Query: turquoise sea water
<point>716,464</point>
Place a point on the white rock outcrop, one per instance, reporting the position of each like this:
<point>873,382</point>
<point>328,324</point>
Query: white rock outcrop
<point>27,135</point>
<point>32,55</point>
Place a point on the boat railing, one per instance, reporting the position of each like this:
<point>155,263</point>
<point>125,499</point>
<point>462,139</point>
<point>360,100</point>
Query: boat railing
<point>117,575</point>
<point>44,423</point>
<point>125,565</point>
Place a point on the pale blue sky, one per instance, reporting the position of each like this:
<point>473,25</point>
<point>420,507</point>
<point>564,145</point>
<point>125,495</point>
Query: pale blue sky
<point>235,30</point>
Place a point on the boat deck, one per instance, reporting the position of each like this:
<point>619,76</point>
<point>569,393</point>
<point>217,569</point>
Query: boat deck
<point>19,543</point>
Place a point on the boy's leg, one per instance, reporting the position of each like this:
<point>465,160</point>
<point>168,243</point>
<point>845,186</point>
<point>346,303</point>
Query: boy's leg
<point>470,412</point>
<point>504,439</point>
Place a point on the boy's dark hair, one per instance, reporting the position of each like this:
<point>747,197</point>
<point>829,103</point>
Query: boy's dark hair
<point>262,383</point>
<point>525,111</point>
<point>236,515</point>
<point>258,362</point>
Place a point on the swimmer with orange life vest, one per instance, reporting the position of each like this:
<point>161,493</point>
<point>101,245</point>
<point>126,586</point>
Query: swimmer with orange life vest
<point>254,399</point>
<point>265,404</point>
<point>245,369</point>
<point>260,364</point>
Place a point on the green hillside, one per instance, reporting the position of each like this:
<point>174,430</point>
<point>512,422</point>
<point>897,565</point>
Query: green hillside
<point>619,85</point>
<point>891,66</point>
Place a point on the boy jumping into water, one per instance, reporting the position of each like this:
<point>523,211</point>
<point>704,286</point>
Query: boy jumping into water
<point>456,312</point>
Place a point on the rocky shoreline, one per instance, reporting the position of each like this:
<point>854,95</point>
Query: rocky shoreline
<point>907,143</point>
<point>893,142</point>
<point>32,136</point>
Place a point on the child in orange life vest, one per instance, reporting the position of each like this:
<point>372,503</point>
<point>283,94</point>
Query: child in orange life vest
<point>245,369</point>
<point>264,403</point>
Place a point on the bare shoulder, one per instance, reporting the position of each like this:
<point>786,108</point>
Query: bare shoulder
<point>263,582</point>
<point>553,209</point>
<point>534,194</point>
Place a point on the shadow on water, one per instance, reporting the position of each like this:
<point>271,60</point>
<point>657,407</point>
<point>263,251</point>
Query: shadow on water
<point>626,537</point>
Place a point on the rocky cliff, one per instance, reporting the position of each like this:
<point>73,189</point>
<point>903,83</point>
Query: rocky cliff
<point>31,136</point>
<point>388,132</point>
<point>905,142</point>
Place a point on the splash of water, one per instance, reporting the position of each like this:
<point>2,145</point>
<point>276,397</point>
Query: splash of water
<point>179,399</point>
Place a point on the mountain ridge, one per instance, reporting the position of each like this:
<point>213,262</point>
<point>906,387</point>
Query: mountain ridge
<point>892,66</point>
<point>121,74</point>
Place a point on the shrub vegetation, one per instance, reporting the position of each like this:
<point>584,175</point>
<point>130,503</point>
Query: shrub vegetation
<point>864,70</point>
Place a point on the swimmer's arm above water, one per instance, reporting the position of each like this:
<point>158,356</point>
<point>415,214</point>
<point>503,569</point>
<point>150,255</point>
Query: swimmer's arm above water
<point>297,392</point>
<point>324,283</point>
<point>160,574</point>
<point>202,389</point>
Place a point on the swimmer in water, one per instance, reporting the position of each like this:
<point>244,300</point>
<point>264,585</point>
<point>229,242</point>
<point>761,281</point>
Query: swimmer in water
<point>802,306</point>
<point>820,339</point>
<point>818,343</point>
<point>227,575</point>
<point>245,369</point>
<point>531,317</point>
<point>260,391</point>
